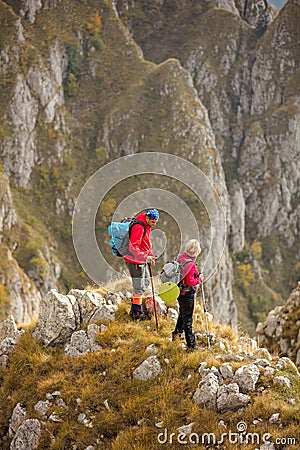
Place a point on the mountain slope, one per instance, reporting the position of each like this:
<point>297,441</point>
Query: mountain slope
<point>133,386</point>
<point>77,94</point>
<point>244,62</point>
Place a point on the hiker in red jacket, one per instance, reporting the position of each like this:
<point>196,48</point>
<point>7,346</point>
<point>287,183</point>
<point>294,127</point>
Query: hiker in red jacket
<point>139,256</point>
<point>188,288</point>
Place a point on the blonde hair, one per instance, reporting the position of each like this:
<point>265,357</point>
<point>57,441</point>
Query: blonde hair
<point>192,248</point>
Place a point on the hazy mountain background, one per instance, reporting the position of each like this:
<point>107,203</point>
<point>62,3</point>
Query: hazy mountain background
<point>85,82</point>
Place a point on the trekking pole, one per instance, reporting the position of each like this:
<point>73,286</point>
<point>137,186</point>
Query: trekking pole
<point>205,314</point>
<point>154,305</point>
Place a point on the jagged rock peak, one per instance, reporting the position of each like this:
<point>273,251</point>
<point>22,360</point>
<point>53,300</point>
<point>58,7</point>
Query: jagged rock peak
<point>281,330</point>
<point>258,13</point>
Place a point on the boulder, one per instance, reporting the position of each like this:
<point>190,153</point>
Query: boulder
<point>287,363</point>
<point>262,362</point>
<point>83,342</point>
<point>9,336</point>
<point>186,429</point>
<point>269,371</point>
<point>227,372</point>
<point>27,436</point>
<point>206,393</point>
<point>8,329</point>
<point>42,407</point>
<point>61,315</point>
<point>282,381</point>
<point>148,370</point>
<point>246,377</point>
<point>152,349</point>
<point>161,308</point>
<point>56,321</point>
<point>172,314</point>
<point>229,398</point>
<point>274,418</point>
<point>263,353</point>
<point>92,306</point>
<point>17,418</point>
<point>267,446</point>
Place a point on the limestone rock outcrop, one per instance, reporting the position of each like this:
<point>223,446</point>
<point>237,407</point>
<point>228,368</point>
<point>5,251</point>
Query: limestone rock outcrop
<point>9,336</point>
<point>27,435</point>
<point>226,390</point>
<point>148,369</point>
<point>83,342</point>
<point>62,315</point>
<point>213,394</point>
<point>281,330</point>
<point>27,8</point>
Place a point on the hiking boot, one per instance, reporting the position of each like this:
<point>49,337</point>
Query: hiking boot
<point>135,315</point>
<point>144,316</point>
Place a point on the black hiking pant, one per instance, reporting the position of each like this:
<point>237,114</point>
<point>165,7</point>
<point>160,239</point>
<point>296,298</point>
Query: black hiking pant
<point>185,318</point>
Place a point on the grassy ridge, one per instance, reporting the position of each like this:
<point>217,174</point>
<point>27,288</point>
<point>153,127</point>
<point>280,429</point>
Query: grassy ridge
<point>123,412</point>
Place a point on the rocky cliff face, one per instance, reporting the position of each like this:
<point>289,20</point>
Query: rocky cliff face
<point>42,106</point>
<point>244,62</point>
<point>185,125</point>
<point>28,266</point>
<point>19,294</point>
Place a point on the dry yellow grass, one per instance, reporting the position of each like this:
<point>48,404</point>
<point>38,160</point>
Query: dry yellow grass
<point>125,412</point>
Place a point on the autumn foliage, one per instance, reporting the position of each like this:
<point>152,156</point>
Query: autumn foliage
<point>95,23</point>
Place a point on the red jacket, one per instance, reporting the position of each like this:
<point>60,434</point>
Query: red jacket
<point>139,244</point>
<point>191,276</point>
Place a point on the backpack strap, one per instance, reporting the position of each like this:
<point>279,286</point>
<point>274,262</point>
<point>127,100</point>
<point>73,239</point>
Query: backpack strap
<point>134,222</point>
<point>183,263</point>
<point>181,284</point>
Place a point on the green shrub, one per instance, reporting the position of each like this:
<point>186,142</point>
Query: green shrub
<point>71,85</point>
<point>73,71</point>
<point>259,306</point>
<point>242,255</point>
<point>40,265</point>
<point>97,42</point>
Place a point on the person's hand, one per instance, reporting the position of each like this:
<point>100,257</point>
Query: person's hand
<point>150,260</point>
